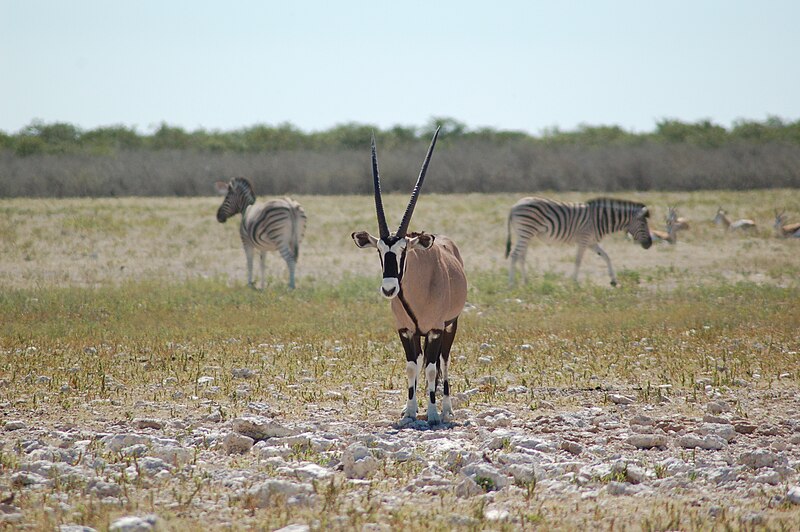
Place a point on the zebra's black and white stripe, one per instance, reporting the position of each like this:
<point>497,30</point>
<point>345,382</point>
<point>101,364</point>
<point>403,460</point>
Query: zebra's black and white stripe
<point>277,225</point>
<point>581,223</point>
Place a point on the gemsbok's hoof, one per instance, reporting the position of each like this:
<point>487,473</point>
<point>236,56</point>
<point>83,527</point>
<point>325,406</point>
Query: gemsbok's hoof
<point>613,283</point>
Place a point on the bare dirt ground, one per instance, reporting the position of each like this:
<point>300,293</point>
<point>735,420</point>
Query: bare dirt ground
<point>226,445</point>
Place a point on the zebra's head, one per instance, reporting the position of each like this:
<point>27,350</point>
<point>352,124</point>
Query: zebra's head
<point>638,228</point>
<point>392,247</point>
<point>238,194</point>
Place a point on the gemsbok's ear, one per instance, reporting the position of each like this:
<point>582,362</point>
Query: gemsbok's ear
<point>423,241</point>
<point>221,188</point>
<point>364,239</point>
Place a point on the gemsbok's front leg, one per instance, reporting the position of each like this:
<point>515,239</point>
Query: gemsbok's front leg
<point>411,345</point>
<point>447,343</point>
<point>433,349</point>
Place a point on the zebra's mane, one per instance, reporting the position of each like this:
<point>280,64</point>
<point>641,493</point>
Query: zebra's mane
<point>244,187</point>
<point>615,203</point>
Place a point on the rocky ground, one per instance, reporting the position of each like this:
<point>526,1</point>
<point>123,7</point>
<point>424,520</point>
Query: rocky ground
<point>709,457</point>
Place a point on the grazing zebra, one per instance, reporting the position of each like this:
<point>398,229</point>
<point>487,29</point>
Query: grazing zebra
<point>583,223</point>
<point>722,219</point>
<point>423,276</point>
<point>784,230</point>
<point>278,224</point>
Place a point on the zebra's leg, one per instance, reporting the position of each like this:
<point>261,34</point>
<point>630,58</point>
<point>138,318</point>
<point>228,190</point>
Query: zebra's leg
<point>518,255</point>
<point>288,256</point>
<point>600,251</point>
<point>248,253</point>
<point>447,343</point>
<point>411,345</point>
<point>262,257</point>
<point>578,259</point>
<point>433,348</point>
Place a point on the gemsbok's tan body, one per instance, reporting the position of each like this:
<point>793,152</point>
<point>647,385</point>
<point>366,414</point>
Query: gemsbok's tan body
<point>423,276</point>
<point>784,230</point>
<point>722,219</point>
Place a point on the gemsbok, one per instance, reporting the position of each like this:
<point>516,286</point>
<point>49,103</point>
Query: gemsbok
<point>581,223</point>
<point>722,219</point>
<point>423,276</point>
<point>276,225</point>
<point>784,230</point>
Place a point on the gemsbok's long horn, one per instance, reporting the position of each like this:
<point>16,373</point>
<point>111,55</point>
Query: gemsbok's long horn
<point>382,227</point>
<point>401,231</point>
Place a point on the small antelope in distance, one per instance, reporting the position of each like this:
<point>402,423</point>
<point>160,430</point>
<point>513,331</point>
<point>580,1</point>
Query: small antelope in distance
<point>784,230</point>
<point>673,225</point>
<point>423,276</point>
<point>722,219</point>
<point>582,223</point>
<point>277,225</point>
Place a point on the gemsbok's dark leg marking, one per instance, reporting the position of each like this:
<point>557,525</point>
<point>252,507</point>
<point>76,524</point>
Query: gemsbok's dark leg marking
<point>448,336</point>
<point>433,348</point>
<point>411,345</point>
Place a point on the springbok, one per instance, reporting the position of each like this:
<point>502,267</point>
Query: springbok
<point>784,230</point>
<point>423,276</point>
<point>722,219</point>
<point>674,224</point>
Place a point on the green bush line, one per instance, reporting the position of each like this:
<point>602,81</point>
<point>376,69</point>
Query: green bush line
<point>61,160</point>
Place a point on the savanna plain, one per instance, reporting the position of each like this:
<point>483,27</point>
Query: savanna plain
<point>140,378</point>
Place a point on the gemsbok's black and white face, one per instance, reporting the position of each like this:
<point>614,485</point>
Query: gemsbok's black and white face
<point>392,251</point>
<point>639,229</point>
<point>392,247</point>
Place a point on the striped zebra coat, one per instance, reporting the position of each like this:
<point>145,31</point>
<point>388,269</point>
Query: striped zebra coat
<point>276,225</point>
<point>582,223</point>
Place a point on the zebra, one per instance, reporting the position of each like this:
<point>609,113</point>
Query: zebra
<point>423,276</point>
<point>278,224</point>
<point>583,223</point>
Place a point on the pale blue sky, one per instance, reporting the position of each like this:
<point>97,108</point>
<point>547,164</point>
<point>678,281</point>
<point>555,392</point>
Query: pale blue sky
<point>522,65</point>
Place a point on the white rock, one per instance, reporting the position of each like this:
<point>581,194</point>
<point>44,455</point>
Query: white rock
<point>117,442</point>
<point>621,399</point>
<point>710,442</point>
<point>14,425</point>
<point>294,528</point>
<point>717,407</point>
<point>234,443</point>
<point>496,514</point>
<point>647,441</point>
<point>76,528</point>
<point>761,458</point>
<point>243,373</point>
<point>769,476</point>
<point>486,476</point>
<point>307,472</point>
<point>261,428</point>
<point>358,461</point>
<point>264,494</point>
<point>722,430</point>
<point>467,488</point>
<point>793,495</point>
<point>133,523</point>
<point>147,423</point>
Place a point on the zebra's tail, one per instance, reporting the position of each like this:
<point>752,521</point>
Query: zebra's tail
<point>296,231</point>
<point>508,239</point>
